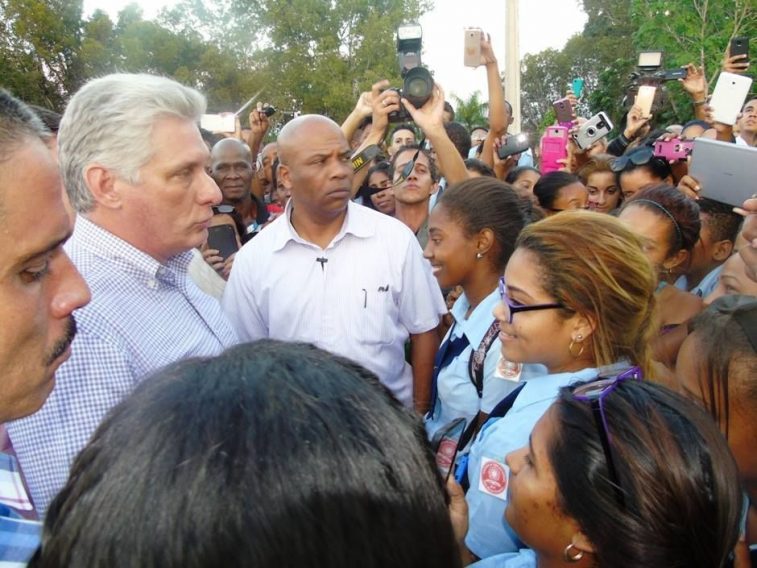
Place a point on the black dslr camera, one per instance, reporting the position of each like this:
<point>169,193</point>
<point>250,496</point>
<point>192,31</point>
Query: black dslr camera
<point>418,84</point>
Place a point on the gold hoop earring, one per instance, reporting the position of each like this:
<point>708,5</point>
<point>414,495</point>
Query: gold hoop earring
<point>572,553</point>
<point>577,341</point>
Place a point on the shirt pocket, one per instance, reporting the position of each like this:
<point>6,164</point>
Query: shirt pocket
<point>373,314</point>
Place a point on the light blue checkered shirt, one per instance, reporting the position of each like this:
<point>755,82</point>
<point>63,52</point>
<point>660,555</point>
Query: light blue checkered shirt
<point>143,316</point>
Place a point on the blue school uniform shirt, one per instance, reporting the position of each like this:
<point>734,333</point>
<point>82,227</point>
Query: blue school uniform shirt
<point>456,393</point>
<point>705,287</point>
<point>488,532</point>
<point>525,558</point>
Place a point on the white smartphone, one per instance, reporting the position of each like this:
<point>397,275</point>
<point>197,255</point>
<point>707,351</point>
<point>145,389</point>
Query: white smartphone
<point>218,122</point>
<point>729,95</point>
<point>473,38</point>
<point>645,99</point>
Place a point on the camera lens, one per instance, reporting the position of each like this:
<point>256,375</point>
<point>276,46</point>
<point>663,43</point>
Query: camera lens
<point>591,131</point>
<point>418,86</point>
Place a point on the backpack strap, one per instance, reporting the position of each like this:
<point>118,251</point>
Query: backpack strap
<point>477,358</point>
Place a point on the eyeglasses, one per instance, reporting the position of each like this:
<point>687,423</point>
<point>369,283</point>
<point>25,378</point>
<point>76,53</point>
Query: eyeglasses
<point>513,308</point>
<point>637,158</point>
<point>223,209</point>
<point>595,393</point>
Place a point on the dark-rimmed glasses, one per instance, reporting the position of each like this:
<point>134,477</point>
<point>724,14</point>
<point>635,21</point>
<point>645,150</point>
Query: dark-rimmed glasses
<point>513,309</point>
<point>595,393</point>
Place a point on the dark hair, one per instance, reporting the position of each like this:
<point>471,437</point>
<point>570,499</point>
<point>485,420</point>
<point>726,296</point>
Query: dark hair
<point>17,122</point>
<point>403,126</point>
<point>448,108</point>
<point>49,118</point>
<point>479,127</point>
<point>682,496</point>
<point>723,223</point>
<point>365,191</point>
<point>272,454</point>
<point>414,147</point>
<point>547,189</point>
<point>514,174</point>
<point>723,344</point>
<point>658,167</point>
<point>487,203</point>
<point>679,212</point>
<point>460,137</point>
<point>472,164</point>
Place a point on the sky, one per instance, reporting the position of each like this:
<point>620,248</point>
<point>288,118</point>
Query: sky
<point>443,32</point>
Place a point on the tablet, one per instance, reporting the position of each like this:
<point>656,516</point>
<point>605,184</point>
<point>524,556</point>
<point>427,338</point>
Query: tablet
<point>726,172</point>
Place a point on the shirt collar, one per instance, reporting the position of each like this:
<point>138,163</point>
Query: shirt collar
<point>104,243</point>
<point>546,388</point>
<point>357,222</point>
<point>480,319</point>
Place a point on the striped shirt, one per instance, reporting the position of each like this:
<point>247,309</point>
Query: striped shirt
<point>143,316</point>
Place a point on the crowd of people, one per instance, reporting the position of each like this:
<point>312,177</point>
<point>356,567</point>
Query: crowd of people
<point>216,350</point>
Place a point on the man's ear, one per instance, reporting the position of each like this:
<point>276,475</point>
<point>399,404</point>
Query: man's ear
<point>104,186</point>
<point>283,174</point>
<point>721,250</point>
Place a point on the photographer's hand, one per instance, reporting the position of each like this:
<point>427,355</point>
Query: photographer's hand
<point>487,53</point>
<point>363,108</point>
<point>635,121</point>
<point>737,64</point>
<point>259,126</point>
<point>429,118</point>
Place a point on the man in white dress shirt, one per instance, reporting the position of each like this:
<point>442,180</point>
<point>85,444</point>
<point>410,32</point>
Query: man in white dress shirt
<point>337,274</point>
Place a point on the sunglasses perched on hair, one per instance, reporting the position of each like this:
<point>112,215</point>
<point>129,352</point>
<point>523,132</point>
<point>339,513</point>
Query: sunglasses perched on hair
<point>595,393</point>
<point>223,209</point>
<point>637,158</point>
<point>515,307</point>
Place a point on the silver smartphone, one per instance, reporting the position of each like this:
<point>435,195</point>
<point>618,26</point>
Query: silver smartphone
<point>592,130</point>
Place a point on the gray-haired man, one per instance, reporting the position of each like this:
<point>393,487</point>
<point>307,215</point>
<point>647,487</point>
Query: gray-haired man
<point>133,164</point>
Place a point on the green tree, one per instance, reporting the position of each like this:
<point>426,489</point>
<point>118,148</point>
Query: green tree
<point>691,31</point>
<point>472,111</point>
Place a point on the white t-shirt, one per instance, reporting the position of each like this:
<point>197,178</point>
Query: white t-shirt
<point>360,297</point>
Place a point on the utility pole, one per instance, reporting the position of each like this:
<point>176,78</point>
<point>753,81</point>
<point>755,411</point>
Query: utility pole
<point>512,60</point>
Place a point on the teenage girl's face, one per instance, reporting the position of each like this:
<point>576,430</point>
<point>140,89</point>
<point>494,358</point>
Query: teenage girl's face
<point>450,251</point>
<point>654,232</point>
<point>604,195</point>
<point>383,200</point>
<point>533,510</point>
<point>524,185</point>
<point>538,336</point>
<point>573,196</point>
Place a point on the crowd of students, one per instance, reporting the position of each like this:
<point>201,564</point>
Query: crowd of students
<point>248,354</point>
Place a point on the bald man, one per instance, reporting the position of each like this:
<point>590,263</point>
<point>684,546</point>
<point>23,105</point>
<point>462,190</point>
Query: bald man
<point>337,274</point>
<point>231,169</point>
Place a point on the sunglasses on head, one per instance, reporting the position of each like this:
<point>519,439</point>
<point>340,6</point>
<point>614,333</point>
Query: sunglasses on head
<point>595,393</point>
<point>637,158</point>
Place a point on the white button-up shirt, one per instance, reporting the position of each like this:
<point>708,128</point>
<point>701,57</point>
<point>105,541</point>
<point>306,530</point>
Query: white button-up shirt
<point>360,297</point>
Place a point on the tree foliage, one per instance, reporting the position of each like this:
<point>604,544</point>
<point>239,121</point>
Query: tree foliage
<point>306,55</point>
<point>472,111</point>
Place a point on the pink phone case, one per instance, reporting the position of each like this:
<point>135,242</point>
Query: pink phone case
<point>554,146</point>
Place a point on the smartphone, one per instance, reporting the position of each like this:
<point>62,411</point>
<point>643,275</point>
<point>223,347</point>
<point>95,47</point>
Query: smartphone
<point>223,238</point>
<point>554,147</point>
<point>592,130</point>
<point>674,149</point>
<point>472,47</point>
<point>645,99</point>
<point>218,122</point>
<point>563,110</point>
<point>674,74</point>
<point>729,95</point>
<point>514,144</point>
<point>577,87</point>
<point>268,110</point>
<point>739,46</point>
<point>446,444</point>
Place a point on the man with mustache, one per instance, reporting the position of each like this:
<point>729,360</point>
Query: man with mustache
<point>133,164</point>
<point>39,290</point>
<point>336,274</point>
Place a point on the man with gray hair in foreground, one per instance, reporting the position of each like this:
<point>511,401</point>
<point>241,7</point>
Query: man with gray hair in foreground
<point>133,164</point>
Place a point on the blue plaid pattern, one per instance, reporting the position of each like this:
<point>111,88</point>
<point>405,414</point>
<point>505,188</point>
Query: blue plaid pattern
<point>143,316</point>
<point>19,538</point>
